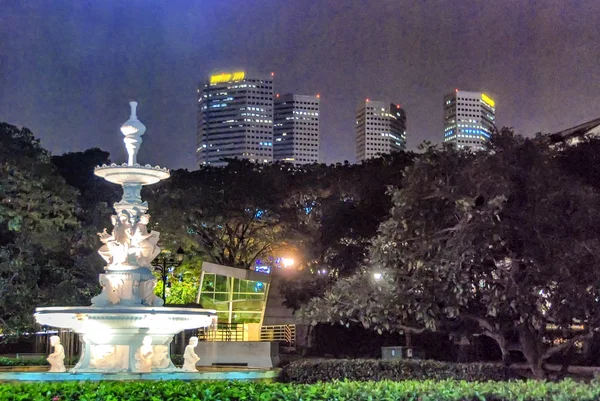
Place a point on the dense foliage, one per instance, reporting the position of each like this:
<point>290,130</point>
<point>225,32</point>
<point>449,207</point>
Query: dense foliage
<point>318,370</point>
<point>39,251</point>
<point>502,244</point>
<point>428,390</point>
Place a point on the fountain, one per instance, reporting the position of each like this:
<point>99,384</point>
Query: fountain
<point>127,329</point>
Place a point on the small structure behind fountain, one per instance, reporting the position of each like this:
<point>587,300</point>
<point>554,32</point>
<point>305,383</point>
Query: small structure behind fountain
<point>127,328</point>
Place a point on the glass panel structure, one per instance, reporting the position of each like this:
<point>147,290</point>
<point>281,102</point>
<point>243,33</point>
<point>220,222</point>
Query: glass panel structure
<point>235,300</point>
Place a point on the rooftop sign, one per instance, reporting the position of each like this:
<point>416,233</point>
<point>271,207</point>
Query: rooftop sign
<point>488,100</point>
<point>227,77</point>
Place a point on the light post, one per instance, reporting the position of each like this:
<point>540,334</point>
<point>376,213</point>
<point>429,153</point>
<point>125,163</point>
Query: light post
<point>164,264</point>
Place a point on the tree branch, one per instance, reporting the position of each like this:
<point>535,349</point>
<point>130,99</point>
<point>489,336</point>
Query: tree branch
<point>567,344</point>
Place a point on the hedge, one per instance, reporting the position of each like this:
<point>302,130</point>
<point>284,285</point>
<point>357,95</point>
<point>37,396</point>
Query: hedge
<point>317,370</point>
<point>5,361</point>
<point>41,361</point>
<point>429,390</point>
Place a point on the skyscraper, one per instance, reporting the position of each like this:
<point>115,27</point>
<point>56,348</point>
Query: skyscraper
<point>469,119</point>
<point>296,130</point>
<point>380,129</point>
<point>235,119</point>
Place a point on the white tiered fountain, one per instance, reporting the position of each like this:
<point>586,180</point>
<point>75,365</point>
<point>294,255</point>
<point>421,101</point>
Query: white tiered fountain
<point>127,329</point>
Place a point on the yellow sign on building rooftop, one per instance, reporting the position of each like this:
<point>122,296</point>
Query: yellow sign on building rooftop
<point>227,77</point>
<point>488,100</point>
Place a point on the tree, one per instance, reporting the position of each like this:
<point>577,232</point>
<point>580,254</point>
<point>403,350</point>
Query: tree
<point>232,215</point>
<point>347,204</point>
<point>501,244</point>
<point>37,219</point>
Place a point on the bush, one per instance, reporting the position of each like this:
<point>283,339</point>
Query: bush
<point>41,361</point>
<point>429,390</point>
<point>177,359</point>
<point>316,370</point>
<point>5,361</point>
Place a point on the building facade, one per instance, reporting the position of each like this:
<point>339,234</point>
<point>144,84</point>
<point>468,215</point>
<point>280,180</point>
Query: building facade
<point>235,119</point>
<point>296,129</point>
<point>469,119</point>
<point>380,129</point>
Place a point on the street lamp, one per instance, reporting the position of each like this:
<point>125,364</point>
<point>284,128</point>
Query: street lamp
<point>164,264</point>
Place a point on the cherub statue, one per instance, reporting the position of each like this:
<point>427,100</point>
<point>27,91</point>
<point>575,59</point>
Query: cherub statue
<point>144,356</point>
<point>160,360</point>
<point>57,358</point>
<point>143,244</point>
<point>116,245</point>
<point>189,356</point>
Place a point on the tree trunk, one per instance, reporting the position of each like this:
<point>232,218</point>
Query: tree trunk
<point>310,339</point>
<point>408,339</point>
<point>530,349</point>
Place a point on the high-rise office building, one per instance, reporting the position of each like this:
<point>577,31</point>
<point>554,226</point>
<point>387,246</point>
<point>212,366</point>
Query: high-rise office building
<point>235,119</point>
<point>469,119</point>
<point>380,129</point>
<point>296,130</point>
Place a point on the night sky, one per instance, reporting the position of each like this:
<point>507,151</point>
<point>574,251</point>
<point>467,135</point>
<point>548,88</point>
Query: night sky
<point>68,68</point>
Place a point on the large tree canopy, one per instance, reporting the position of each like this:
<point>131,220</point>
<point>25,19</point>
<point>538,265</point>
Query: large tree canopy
<point>37,221</point>
<point>502,244</point>
<point>232,215</point>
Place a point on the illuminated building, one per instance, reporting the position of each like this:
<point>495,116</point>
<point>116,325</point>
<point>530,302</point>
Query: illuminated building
<point>235,119</point>
<point>296,130</point>
<point>380,129</point>
<point>469,119</point>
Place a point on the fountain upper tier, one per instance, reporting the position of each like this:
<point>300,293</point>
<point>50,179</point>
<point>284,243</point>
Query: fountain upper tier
<point>124,174</point>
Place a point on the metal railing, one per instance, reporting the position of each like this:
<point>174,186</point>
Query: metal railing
<point>285,333</point>
<point>222,332</point>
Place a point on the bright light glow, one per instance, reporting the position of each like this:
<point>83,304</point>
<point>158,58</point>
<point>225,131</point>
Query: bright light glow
<point>227,77</point>
<point>488,100</point>
<point>377,276</point>
<point>287,262</point>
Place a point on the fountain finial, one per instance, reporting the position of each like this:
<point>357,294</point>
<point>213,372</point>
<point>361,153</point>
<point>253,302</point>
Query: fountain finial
<point>133,105</point>
<point>133,129</point>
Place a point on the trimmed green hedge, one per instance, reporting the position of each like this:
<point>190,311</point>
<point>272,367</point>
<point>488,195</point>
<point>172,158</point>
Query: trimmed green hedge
<point>428,390</point>
<point>317,370</point>
<point>5,361</point>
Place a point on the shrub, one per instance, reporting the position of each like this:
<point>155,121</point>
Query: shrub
<point>429,390</point>
<point>40,361</point>
<point>177,359</point>
<point>316,370</point>
<point>5,361</point>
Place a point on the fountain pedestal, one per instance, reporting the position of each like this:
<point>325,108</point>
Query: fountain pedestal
<point>126,329</point>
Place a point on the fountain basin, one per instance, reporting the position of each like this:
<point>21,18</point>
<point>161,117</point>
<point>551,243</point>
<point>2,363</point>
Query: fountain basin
<point>125,174</point>
<point>112,336</point>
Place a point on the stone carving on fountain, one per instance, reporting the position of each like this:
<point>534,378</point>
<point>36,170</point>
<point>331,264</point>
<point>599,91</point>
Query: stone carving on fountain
<point>128,252</point>
<point>129,249</point>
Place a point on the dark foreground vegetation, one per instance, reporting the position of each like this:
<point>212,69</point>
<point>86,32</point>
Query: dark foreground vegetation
<point>322,370</point>
<point>428,390</point>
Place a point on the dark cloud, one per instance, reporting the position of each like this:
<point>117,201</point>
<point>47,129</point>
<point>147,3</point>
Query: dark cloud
<point>68,68</point>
